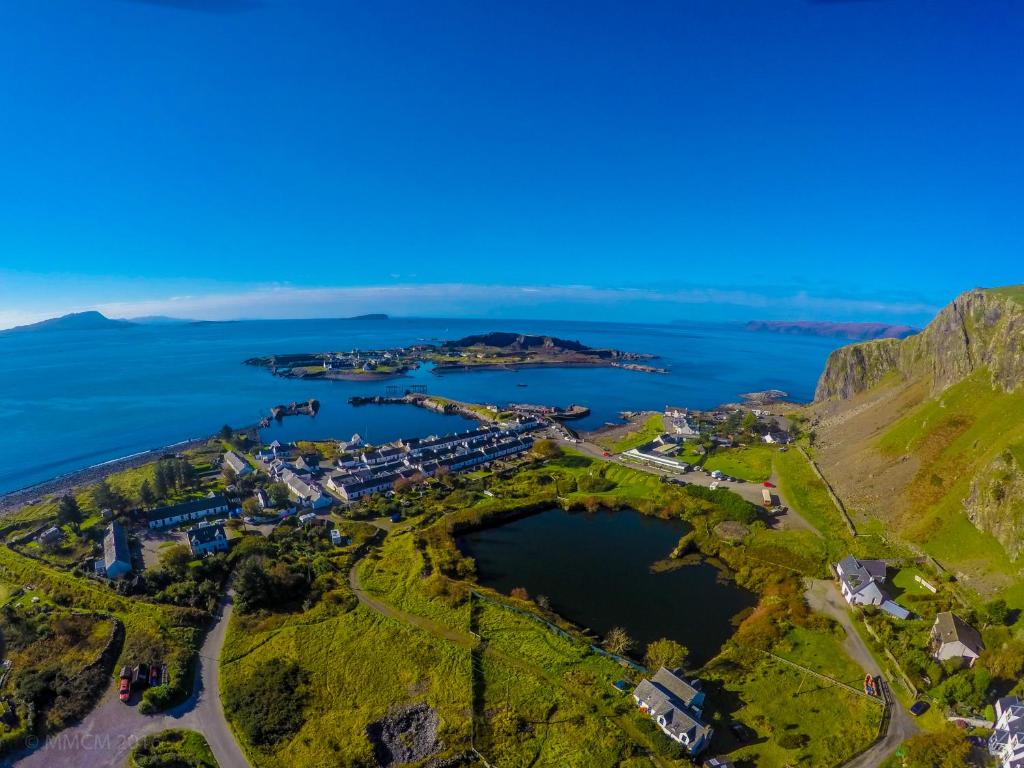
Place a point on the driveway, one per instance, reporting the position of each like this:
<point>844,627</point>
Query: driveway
<point>823,596</point>
<point>108,733</point>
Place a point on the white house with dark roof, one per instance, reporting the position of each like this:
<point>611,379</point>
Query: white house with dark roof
<point>953,638</point>
<point>186,511</point>
<point>117,560</point>
<point>204,539</point>
<point>861,581</point>
<point>676,706</point>
<point>237,464</point>
<point>1006,743</point>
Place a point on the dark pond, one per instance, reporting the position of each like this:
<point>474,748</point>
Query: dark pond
<point>595,570</point>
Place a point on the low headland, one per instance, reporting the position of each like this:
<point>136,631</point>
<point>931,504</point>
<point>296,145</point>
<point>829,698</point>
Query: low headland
<point>490,351</point>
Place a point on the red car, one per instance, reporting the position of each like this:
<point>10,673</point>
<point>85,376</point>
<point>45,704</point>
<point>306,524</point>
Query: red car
<point>125,691</point>
<point>606,454</point>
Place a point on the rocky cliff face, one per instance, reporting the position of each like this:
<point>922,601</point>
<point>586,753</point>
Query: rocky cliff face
<point>979,329</point>
<point>996,502</point>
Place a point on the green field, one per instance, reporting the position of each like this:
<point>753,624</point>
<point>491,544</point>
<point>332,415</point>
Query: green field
<point>523,695</point>
<point>799,719</point>
<point>751,463</point>
<point>652,426</point>
<point>954,437</point>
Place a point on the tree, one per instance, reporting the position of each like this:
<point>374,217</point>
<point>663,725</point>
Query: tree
<point>146,496</point>
<point>996,612</point>
<point>543,602</point>
<point>617,640</point>
<point>251,585</point>
<point>226,433</point>
<point>229,475</point>
<point>175,557</point>
<point>68,512</point>
<point>749,421</point>
<point>520,593</point>
<point>161,481</point>
<point>251,507</point>
<point>278,493</point>
<point>666,653</point>
<point>105,497</point>
<point>186,474</point>
<point>948,748</point>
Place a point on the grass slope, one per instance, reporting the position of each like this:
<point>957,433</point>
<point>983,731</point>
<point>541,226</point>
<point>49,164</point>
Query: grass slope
<point>952,437</point>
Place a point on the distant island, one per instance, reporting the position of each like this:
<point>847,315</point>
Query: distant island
<point>76,321</point>
<point>852,331</point>
<point>489,351</point>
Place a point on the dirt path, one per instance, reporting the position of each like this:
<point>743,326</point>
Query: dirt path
<point>108,734</point>
<point>386,609</point>
<point>824,597</point>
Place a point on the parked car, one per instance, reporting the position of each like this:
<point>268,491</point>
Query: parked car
<point>918,708</point>
<point>141,674</point>
<point>154,675</point>
<point>125,689</point>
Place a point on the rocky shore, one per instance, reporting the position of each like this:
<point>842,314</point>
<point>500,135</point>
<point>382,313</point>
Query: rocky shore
<point>74,481</point>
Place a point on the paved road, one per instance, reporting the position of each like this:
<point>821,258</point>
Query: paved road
<point>106,736</point>
<point>823,596</point>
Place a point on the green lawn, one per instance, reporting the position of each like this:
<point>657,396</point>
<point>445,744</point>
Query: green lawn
<point>751,463</point>
<point>653,426</point>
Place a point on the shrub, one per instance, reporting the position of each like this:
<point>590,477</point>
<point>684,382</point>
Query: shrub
<point>269,705</point>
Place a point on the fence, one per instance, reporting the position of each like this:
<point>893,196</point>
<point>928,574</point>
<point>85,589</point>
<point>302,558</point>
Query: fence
<point>832,494</point>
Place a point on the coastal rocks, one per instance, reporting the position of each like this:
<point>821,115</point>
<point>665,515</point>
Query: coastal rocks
<point>980,329</point>
<point>995,502</point>
<point>308,408</point>
<point>405,735</point>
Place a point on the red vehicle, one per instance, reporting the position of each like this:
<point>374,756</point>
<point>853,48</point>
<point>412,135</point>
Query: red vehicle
<point>125,689</point>
<point>606,454</point>
<point>871,686</point>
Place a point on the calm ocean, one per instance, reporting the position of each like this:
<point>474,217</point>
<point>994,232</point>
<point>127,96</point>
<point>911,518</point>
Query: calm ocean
<point>72,399</point>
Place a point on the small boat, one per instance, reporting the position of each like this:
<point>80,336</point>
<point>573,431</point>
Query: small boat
<point>522,385</point>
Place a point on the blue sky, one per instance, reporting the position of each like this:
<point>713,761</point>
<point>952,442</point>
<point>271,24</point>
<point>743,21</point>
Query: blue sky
<point>685,159</point>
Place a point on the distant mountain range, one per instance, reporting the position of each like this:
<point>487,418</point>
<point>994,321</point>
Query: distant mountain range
<point>852,331</point>
<point>97,321</point>
<point>76,321</point>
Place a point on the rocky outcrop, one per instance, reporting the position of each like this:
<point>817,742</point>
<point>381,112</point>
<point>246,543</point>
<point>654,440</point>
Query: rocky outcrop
<point>979,329</point>
<point>996,501</point>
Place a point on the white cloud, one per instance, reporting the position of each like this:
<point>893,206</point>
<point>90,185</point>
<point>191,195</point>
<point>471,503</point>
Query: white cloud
<point>461,299</point>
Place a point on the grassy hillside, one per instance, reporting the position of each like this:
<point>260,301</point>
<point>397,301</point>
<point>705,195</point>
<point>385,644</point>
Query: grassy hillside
<point>931,450</point>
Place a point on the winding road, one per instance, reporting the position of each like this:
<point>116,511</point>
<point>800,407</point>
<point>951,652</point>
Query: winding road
<point>824,597</point>
<point>108,734</point>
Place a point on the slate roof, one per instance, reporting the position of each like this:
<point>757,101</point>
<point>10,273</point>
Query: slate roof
<point>950,628</point>
<point>186,507</point>
<point>858,574</point>
<point>236,462</point>
<point>663,702</point>
<point>204,534</point>
<point>115,545</point>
